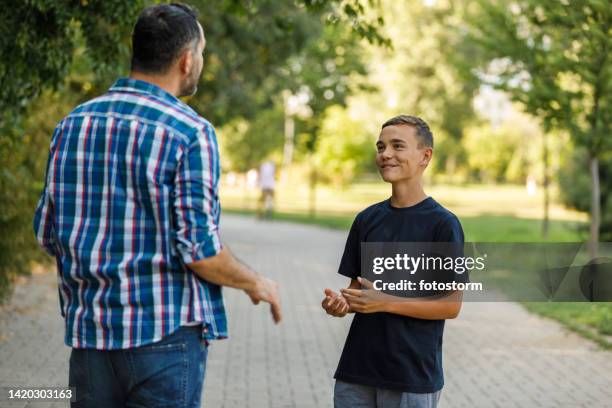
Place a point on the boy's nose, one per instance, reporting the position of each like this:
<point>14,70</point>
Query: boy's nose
<point>386,154</point>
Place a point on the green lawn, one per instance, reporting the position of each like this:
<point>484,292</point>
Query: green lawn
<point>486,228</point>
<point>592,320</point>
<point>487,213</point>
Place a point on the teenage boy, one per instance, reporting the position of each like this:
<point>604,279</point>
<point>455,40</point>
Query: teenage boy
<point>393,352</point>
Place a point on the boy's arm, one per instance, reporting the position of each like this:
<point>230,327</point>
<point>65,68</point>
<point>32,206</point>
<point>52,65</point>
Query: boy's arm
<point>427,309</point>
<point>370,300</point>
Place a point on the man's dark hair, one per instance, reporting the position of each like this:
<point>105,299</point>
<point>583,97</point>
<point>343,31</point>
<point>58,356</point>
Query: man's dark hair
<point>161,34</point>
<point>424,136</point>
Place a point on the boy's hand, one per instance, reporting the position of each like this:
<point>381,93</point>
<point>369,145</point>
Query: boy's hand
<point>367,300</point>
<point>334,304</point>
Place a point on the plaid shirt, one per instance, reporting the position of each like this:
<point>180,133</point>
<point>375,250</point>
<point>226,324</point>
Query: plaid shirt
<point>130,197</point>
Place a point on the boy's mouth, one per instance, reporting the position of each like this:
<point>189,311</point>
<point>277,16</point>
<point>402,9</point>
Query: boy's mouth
<point>389,166</point>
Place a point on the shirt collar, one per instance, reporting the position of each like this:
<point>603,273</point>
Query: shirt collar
<point>141,87</point>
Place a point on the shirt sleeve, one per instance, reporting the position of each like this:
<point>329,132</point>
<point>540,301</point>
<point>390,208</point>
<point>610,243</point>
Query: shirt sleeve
<point>44,226</point>
<point>196,203</point>
<point>350,265</point>
<point>451,231</point>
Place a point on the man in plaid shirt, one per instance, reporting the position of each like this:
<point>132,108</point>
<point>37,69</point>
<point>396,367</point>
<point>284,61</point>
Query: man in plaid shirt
<point>130,210</point>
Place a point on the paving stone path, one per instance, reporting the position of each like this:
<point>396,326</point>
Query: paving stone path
<point>495,354</point>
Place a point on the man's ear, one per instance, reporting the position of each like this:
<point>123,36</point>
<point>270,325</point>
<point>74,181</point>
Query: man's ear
<point>186,61</point>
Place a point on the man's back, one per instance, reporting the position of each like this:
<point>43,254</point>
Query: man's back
<point>130,211</point>
<point>130,197</point>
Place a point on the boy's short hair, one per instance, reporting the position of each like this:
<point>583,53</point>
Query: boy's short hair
<point>424,135</point>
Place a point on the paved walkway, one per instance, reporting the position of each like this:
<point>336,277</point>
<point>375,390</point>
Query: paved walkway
<point>496,354</point>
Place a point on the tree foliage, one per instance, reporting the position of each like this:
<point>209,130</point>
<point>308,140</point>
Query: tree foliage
<point>419,75</point>
<point>553,57</point>
<point>38,37</point>
<point>344,148</point>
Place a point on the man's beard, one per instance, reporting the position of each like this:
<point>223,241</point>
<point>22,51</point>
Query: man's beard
<point>190,86</point>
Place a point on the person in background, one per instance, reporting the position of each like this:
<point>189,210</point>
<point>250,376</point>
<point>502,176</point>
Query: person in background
<point>267,182</point>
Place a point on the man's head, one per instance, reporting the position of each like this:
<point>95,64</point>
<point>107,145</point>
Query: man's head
<point>404,148</point>
<point>168,40</point>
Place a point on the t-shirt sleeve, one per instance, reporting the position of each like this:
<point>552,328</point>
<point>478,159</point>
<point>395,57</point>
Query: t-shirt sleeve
<point>450,230</point>
<point>350,265</point>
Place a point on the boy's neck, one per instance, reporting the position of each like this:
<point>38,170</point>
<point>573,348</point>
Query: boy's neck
<point>407,194</point>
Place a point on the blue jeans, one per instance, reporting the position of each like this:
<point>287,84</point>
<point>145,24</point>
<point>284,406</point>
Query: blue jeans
<point>166,374</point>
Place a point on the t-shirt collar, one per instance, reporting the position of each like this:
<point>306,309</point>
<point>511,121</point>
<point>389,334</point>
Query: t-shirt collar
<point>418,206</point>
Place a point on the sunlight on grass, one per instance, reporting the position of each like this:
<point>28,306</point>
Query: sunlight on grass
<point>491,213</point>
<point>468,200</point>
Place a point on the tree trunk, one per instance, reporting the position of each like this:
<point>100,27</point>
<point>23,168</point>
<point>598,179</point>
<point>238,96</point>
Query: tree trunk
<point>312,199</point>
<point>545,186</point>
<point>595,206</point>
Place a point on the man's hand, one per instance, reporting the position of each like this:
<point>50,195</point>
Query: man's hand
<point>266,290</point>
<point>366,300</point>
<point>225,269</point>
<point>335,304</point>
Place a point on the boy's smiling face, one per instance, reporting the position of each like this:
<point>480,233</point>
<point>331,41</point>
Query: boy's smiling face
<point>399,155</point>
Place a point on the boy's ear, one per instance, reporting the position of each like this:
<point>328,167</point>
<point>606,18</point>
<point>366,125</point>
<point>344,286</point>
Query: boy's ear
<point>426,158</point>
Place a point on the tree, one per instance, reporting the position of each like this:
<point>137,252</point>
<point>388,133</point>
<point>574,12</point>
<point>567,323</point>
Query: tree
<point>245,145</point>
<point>325,67</point>
<point>343,147</point>
<point>38,38</point>
<point>574,186</point>
<point>252,45</point>
<point>553,57</point>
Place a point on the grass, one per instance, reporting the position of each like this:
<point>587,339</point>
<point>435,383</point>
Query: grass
<point>591,320</point>
<point>487,213</point>
<point>486,228</point>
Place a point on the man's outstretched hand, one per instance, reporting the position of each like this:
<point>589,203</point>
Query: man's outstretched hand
<point>266,290</point>
<point>334,303</point>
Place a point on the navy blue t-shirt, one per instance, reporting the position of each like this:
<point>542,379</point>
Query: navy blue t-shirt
<point>387,350</point>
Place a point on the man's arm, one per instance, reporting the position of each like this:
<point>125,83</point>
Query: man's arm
<point>226,270</point>
<point>43,216</point>
<point>197,232</point>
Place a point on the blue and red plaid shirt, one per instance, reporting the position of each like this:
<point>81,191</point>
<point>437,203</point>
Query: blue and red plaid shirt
<point>130,197</point>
